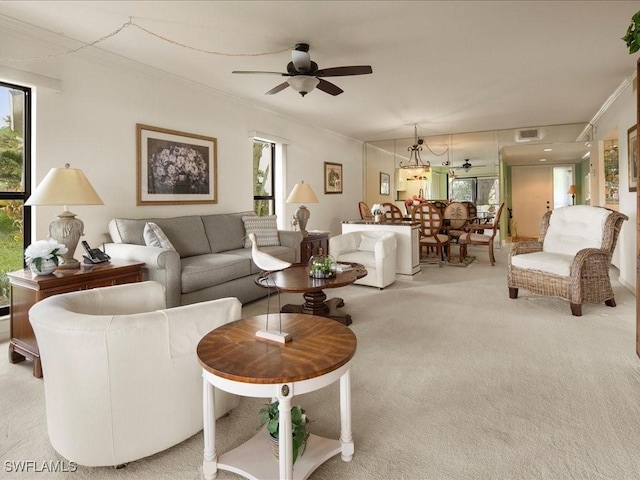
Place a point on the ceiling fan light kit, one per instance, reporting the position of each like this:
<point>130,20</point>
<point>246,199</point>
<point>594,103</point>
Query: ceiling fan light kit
<point>304,75</point>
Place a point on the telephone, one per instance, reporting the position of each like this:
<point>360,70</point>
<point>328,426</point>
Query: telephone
<point>94,255</point>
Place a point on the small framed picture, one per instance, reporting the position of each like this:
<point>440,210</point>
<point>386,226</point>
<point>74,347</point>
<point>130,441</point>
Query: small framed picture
<point>333,177</point>
<point>175,168</point>
<point>632,145</point>
<point>384,184</point>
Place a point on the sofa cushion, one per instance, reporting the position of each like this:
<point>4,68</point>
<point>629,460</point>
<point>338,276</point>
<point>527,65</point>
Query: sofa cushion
<point>573,228</point>
<point>265,228</point>
<point>555,263</point>
<point>155,237</point>
<point>225,231</point>
<point>205,271</point>
<point>185,233</point>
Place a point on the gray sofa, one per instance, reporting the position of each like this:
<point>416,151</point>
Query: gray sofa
<point>209,261</point>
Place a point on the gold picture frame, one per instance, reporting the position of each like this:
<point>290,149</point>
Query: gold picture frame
<point>632,146</point>
<point>333,179</point>
<point>175,168</point>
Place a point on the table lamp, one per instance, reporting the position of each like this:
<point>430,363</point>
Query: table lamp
<point>65,186</point>
<point>572,191</point>
<point>302,193</point>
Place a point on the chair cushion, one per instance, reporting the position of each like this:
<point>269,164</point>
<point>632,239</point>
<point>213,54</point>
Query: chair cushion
<point>555,263</point>
<point>366,258</point>
<point>441,238</point>
<point>368,244</point>
<point>573,228</point>
<point>265,228</point>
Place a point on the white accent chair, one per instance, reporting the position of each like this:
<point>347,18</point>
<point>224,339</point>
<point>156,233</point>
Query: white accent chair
<point>121,375</point>
<point>375,250</point>
<point>571,259</point>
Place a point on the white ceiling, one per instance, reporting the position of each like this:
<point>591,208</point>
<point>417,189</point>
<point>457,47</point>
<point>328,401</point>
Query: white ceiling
<point>447,66</point>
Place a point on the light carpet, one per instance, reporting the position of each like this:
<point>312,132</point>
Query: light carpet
<point>451,380</point>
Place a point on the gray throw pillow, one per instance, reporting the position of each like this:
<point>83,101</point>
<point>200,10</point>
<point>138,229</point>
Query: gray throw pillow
<point>265,228</point>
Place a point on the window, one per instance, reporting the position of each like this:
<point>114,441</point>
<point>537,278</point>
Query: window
<point>263,177</point>
<point>15,180</point>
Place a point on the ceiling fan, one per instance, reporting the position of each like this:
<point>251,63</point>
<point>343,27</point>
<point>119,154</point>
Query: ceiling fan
<point>304,74</point>
<point>466,166</point>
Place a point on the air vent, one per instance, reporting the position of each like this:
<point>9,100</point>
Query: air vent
<point>530,134</point>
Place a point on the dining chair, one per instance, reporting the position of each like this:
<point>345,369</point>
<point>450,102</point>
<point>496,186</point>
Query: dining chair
<point>485,239</point>
<point>456,216</point>
<point>392,213</point>
<point>365,211</point>
<point>431,225</point>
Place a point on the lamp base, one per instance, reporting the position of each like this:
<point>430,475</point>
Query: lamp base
<point>67,230</point>
<point>302,215</point>
<point>274,336</point>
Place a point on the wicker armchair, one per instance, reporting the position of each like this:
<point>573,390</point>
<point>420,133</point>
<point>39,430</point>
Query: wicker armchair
<point>571,259</point>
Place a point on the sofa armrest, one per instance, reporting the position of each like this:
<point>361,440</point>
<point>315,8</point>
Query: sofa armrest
<point>160,264</point>
<point>293,239</point>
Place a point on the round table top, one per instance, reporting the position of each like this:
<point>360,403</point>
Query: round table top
<point>296,278</point>
<point>319,346</point>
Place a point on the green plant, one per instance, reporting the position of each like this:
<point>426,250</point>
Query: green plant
<point>271,417</point>
<point>632,37</point>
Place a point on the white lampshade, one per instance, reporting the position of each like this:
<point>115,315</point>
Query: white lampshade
<point>65,186</point>
<point>302,193</point>
<point>303,84</point>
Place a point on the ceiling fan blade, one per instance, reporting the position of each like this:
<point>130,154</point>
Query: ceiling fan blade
<point>329,87</point>
<point>261,73</point>
<point>301,61</point>
<point>344,71</point>
<point>277,88</point>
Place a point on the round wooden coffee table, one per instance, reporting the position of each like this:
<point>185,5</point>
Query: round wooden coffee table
<point>296,279</point>
<point>233,359</point>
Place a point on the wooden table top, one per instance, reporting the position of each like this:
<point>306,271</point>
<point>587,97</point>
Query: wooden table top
<point>319,346</point>
<point>296,278</point>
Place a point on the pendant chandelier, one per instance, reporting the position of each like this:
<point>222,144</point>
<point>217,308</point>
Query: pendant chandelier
<point>415,164</point>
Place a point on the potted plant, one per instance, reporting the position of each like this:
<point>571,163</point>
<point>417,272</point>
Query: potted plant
<point>378,212</point>
<point>43,256</point>
<point>271,417</point>
<point>632,37</point>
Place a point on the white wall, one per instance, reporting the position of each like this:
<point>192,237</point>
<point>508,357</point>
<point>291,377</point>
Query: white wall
<point>91,124</point>
<point>621,116</point>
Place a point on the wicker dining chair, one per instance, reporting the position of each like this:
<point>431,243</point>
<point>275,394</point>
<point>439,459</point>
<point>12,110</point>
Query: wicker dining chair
<point>392,213</point>
<point>486,239</point>
<point>571,258</point>
<point>365,211</point>
<point>431,225</point>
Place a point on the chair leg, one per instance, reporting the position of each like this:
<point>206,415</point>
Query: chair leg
<point>492,259</point>
<point>610,303</point>
<point>513,292</point>
<point>576,309</point>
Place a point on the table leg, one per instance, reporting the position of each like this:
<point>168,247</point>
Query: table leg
<point>316,303</point>
<point>285,433</point>
<point>210,462</point>
<point>346,438</point>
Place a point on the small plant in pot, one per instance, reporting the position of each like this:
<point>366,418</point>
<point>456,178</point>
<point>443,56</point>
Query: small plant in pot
<point>271,417</point>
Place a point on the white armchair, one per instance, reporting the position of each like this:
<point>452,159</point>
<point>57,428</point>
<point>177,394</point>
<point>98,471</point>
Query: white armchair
<point>121,376</point>
<point>375,250</point>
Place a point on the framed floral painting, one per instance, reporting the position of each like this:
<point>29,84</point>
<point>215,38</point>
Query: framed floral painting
<point>333,177</point>
<point>175,168</point>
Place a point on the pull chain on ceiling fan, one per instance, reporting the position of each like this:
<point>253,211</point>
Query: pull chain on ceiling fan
<point>304,74</point>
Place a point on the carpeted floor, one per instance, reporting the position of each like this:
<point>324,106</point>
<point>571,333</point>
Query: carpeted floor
<point>451,380</point>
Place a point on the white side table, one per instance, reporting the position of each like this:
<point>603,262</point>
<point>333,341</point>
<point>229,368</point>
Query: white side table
<point>236,361</point>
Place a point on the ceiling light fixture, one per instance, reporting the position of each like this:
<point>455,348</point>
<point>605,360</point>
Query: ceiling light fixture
<point>415,163</point>
<point>303,84</point>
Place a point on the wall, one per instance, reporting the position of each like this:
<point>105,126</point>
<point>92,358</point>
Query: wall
<point>91,124</point>
<point>621,116</point>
